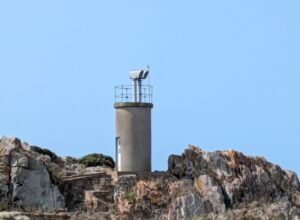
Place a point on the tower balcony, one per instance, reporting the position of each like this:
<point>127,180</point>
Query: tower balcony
<point>133,94</point>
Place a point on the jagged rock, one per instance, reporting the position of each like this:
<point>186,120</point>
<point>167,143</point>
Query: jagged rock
<point>6,147</point>
<point>97,201</point>
<point>159,196</point>
<point>189,206</point>
<point>229,179</point>
<point>198,185</point>
<point>24,180</point>
<point>211,191</point>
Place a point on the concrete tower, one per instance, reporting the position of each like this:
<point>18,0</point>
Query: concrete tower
<point>133,124</point>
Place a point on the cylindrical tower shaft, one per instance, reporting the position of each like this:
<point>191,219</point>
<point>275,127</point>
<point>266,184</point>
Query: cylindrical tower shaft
<point>133,137</point>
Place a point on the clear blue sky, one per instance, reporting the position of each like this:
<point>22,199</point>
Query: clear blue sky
<point>226,74</point>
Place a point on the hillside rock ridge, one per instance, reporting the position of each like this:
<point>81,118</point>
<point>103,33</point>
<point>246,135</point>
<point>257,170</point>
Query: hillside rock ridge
<point>215,185</point>
<point>230,181</point>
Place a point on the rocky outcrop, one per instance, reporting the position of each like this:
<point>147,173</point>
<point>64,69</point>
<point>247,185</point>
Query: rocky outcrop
<point>230,182</point>
<point>197,185</point>
<point>24,181</point>
<point>210,185</point>
<point>159,195</point>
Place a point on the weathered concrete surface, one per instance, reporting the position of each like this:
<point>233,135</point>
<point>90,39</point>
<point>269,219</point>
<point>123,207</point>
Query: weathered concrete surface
<point>133,134</point>
<point>91,192</point>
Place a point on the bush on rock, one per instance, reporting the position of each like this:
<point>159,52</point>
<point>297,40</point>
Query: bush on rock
<point>95,159</point>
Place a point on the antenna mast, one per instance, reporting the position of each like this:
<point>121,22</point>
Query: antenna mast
<point>137,76</point>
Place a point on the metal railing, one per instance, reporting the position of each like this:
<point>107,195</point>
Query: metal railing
<point>125,93</point>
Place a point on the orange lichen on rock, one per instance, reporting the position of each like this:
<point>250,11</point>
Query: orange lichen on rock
<point>233,157</point>
<point>198,184</point>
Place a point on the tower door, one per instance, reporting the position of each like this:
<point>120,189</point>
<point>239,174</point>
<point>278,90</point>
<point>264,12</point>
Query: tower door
<point>118,154</point>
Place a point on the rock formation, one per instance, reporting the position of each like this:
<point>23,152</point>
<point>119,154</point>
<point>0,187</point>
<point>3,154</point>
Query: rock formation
<point>239,187</point>
<point>212,185</point>
<point>24,180</point>
<point>197,185</point>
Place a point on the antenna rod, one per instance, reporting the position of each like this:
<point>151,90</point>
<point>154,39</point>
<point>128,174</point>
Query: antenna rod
<point>137,84</point>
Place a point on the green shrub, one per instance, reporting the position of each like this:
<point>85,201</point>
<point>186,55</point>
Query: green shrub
<point>72,159</point>
<point>92,160</point>
<point>44,151</point>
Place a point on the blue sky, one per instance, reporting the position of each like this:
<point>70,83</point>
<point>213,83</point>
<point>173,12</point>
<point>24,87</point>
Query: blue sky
<point>226,74</point>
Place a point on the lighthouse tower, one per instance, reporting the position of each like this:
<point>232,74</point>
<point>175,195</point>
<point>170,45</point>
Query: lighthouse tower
<point>133,106</point>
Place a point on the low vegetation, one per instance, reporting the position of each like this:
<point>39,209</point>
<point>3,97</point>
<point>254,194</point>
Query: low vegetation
<point>95,159</point>
<point>44,151</point>
<point>92,160</point>
<point>89,160</point>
